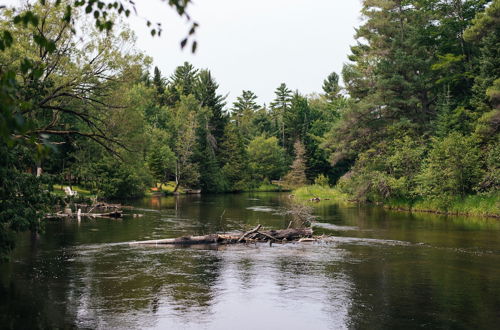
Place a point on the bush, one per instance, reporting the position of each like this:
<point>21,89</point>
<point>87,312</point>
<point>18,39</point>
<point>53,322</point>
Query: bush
<point>321,180</point>
<point>491,178</point>
<point>120,180</point>
<point>453,167</point>
<point>389,171</point>
<point>266,158</point>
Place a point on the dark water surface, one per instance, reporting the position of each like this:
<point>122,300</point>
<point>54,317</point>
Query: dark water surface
<point>381,270</point>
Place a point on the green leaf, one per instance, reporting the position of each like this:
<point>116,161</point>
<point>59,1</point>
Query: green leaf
<point>108,25</point>
<point>37,73</point>
<point>7,38</point>
<point>26,65</point>
<point>67,14</point>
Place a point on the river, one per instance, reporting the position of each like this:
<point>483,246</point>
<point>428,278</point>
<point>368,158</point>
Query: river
<point>380,270</point>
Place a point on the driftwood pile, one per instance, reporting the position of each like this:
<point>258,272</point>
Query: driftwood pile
<point>251,236</point>
<point>96,210</point>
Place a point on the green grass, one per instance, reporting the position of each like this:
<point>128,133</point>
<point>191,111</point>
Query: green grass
<point>166,188</point>
<point>268,187</point>
<point>59,190</point>
<point>477,205</point>
<point>323,192</point>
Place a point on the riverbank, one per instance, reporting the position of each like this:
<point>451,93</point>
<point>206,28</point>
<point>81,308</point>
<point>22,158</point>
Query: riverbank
<point>321,192</point>
<point>163,189</point>
<point>168,189</point>
<point>473,205</point>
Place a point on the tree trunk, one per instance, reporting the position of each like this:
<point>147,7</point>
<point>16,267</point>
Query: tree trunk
<point>176,186</point>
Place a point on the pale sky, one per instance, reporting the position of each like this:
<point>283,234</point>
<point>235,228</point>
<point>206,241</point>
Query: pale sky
<point>253,44</point>
<point>256,44</point>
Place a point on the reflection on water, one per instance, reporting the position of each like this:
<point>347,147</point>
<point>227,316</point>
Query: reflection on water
<point>380,270</point>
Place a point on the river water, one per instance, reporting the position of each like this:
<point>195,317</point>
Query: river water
<point>380,270</point>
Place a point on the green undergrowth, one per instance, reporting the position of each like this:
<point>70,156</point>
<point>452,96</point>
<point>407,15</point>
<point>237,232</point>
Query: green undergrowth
<point>474,205</point>
<point>267,187</point>
<point>477,205</point>
<point>166,188</point>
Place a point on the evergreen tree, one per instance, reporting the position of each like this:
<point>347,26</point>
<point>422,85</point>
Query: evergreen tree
<point>408,54</point>
<point>160,158</point>
<point>206,94</point>
<point>243,113</point>
<point>453,167</point>
<point>181,83</point>
<point>244,106</point>
<point>261,124</point>
<point>158,81</point>
<point>235,159</point>
<point>485,33</point>
<point>160,88</point>
<point>297,175</point>
<point>279,107</point>
<point>331,86</point>
<point>297,121</point>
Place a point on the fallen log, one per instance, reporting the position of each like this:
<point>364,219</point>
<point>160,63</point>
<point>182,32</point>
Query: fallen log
<point>59,215</point>
<point>113,214</point>
<point>290,234</point>
<point>254,235</point>
<point>249,232</point>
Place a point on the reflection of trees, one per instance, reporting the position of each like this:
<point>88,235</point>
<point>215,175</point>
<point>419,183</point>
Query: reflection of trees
<point>32,291</point>
<point>181,281</point>
<point>348,284</point>
<point>411,287</point>
<point>294,285</point>
<point>204,214</point>
<point>246,272</point>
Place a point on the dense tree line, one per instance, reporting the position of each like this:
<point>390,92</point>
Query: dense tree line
<point>417,117</point>
<point>82,106</point>
<point>423,119</point>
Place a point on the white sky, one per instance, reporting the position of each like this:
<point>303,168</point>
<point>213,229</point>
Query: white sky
<point>255,44</point>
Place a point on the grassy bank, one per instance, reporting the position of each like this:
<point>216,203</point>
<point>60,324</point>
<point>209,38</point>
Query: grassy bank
<point>59,190</point>
<point>267,187</point>
<point>322,192</point>
<point>473,205</point>
<point>476,205</point>
<point>167,189</point>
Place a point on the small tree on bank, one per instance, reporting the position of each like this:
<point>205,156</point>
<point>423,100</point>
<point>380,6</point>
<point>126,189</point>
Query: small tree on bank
<point>297,175</point>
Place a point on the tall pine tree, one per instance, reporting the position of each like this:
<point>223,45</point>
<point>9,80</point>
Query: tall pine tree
<point>279,108</point>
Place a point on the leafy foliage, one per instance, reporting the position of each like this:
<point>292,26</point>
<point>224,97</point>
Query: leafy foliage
<point>266,159</point>
<point>417,117</point>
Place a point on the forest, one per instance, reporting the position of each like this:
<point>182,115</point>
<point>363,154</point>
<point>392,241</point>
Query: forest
<point>412,119</point>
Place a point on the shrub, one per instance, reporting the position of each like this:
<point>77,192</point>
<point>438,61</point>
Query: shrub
<point>452,168</point>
